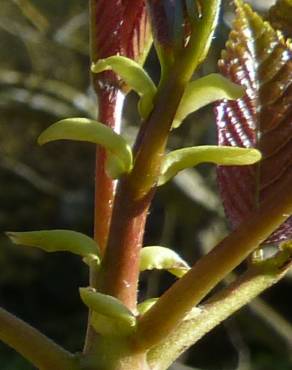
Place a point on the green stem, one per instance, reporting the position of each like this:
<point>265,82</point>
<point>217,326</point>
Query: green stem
<point>213,312</point>
<point>33,345</point>
<point>187,292</point>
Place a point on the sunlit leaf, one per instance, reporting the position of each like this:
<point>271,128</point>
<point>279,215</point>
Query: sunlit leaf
<point>57,241</point>
<point>258,58</point>
<point>83,129</point>
<point>110,316</point>
<point>162,258</point>
<point>106,304</point>
<point>109,326</point>
<point>134,76</point>
<point>143,307</point>
<point>181,159</point>
<point>204,91</point>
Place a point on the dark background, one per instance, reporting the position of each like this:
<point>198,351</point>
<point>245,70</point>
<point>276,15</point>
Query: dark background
<point>43,78</point>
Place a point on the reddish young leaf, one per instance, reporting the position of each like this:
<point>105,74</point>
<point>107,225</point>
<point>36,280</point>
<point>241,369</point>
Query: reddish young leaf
<point>258,58</point>
<point>121,28</point>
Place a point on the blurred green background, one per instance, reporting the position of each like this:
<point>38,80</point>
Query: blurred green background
<point>44,77</point>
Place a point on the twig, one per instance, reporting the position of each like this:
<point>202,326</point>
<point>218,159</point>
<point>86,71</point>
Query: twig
<point>33,345</point>
<point>213,312</point>
<point>187,292</point>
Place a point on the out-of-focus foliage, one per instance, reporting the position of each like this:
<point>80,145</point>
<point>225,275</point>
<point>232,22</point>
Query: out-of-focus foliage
<point>44,77</point>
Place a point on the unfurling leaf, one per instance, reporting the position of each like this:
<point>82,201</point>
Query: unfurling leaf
<point>258,58</point>
<point>83,129</point>
<point>162,258</point>
<point>57,241</point>
<point>181,25</point>
<point>181,159</point>
<point>169,29</point>
<point>134,76</point>
<point>110,316</point>
<point>204,91</point>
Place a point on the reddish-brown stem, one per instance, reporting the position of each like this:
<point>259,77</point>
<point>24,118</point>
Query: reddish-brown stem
<point>110,100</point>
<point>121,262</point>
<point>134,194</point>
<point>129,221</point>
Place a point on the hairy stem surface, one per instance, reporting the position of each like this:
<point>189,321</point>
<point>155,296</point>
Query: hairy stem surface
<point>187,292</point>
<point>135,192</point>
<point>222,305</point>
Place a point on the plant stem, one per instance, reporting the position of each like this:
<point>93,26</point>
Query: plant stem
<point>135,192</point>
<point>187,292</point>
<point>110,103</point>
<point>33,345</point>
<point>218,308</point>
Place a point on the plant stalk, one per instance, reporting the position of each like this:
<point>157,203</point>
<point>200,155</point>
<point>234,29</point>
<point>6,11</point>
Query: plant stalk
<point>33,345</point>
<point>215,310</point>
<point>135,191</point>
<point>187,292</point>
<point>110,104</point>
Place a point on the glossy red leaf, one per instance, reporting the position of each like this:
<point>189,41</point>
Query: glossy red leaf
<point>121,27</point>
<point>258,58</point>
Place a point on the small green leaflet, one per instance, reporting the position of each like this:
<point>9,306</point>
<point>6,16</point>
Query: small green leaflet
<point>57,241</point>
<point>204,91</point>
<point>110,316</point>
<point>143,307</point>
<point>134,76</point>
<point>181,159</point>
<point>161,258</point>
<point>84,129</point>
